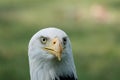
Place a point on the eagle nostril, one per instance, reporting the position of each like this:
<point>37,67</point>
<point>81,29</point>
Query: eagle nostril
<point>54,42</point>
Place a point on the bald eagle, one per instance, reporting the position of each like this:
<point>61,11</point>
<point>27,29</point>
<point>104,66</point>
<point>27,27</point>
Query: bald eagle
<point>50,56</point>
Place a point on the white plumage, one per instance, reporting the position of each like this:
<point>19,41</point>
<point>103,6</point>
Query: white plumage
<point>50,56</point>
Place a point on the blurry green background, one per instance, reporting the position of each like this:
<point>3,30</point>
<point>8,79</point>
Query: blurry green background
<point>92,25</point>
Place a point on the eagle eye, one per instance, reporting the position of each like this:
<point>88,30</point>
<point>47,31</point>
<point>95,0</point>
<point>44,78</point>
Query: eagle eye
<point>43,40</point>
<point>64,40</point>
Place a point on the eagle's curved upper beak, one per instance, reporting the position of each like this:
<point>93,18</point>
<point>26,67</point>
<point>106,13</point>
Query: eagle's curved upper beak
<point>55,48</point>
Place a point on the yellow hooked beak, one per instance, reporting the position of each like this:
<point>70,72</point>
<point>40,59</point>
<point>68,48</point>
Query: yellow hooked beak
<point>55,48</point>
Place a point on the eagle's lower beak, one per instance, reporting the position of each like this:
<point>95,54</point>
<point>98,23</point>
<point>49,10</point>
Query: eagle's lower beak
<point>55,48</point>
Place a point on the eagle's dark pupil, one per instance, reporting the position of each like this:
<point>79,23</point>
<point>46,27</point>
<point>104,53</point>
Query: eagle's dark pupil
<point>44,39</point>
<point>64,39</point>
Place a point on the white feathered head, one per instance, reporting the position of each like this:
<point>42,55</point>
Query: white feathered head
<point>50,55</point>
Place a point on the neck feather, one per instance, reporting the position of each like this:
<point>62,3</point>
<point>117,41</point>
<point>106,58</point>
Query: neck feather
<point>51,69</point>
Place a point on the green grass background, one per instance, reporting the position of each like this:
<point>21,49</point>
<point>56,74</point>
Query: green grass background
<point>96,45</point>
